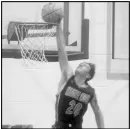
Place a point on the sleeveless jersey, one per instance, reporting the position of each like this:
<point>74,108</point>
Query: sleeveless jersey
<point>72,102</point>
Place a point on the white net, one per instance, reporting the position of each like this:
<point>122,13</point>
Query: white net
<point>31,38</point>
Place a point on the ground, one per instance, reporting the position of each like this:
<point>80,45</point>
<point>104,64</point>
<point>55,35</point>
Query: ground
<point>29,96</point>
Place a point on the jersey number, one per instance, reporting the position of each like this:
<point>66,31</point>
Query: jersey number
<point>73,108</point>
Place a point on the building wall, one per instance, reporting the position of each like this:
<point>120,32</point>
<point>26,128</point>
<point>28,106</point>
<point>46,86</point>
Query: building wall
<point>100,40</point>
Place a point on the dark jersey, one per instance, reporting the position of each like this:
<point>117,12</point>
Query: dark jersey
<point>72,102</point>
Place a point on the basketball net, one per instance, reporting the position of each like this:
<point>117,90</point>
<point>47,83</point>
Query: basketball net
<point>31,39</point>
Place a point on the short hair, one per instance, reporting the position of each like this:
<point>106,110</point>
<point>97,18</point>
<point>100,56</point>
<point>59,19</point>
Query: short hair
<point>91,72</point>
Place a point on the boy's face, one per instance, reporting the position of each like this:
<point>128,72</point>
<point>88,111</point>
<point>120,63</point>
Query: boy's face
<point>83,69</point>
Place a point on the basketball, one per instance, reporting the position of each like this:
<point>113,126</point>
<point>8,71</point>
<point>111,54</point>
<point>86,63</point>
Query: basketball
<point>52,12</point>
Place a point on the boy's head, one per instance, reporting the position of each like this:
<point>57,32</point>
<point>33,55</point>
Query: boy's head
<point>86,70</point>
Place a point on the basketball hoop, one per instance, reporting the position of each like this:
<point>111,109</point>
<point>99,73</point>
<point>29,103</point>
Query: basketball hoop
<point>31,38</point>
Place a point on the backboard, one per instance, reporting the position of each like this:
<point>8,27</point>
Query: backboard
<point>73,23</point>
